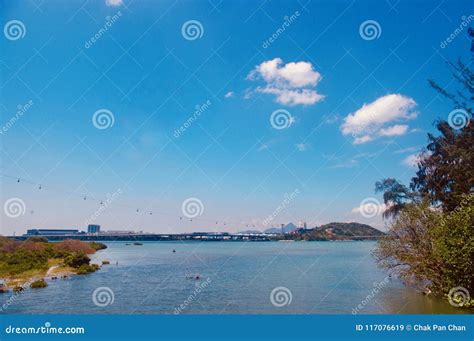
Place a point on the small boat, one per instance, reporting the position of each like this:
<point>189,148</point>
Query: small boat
<point>136,243</point>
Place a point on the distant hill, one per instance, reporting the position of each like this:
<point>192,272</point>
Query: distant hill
<point>250,232</point>
<point>272,230</point>
<point>341,231</point>
<point>331,231</point>
<point>290,227</point>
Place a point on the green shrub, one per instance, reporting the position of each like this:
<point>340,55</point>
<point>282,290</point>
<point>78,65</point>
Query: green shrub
<point>407,248</point>
<point>97,246</point>
<point>22,260</point>
<point>76,260</point>
<point>41,283</point>
<point>454,246</point>
<point>87,268</point>
<point>38,239</point>
<point>431,248</point>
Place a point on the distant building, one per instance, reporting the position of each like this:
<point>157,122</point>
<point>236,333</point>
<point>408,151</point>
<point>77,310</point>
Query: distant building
<point>93,228</point>
<point>50,232</point>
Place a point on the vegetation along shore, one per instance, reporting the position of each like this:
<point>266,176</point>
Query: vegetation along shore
<point>26,263</point>
<point>430,242</point>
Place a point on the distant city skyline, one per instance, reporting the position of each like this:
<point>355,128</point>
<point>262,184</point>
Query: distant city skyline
<point>172,117</point>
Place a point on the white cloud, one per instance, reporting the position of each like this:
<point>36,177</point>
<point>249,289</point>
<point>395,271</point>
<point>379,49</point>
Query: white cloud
<point>362,139</point>
<point>412,160</point>
<point>396,130</point>
<point>229,94</point>
<point>373,119</point>
<point>292,83</point>
<point>113,2</point>
<point>302,147</point>
<point>377,209</point>
<point>293,97</point>
<point>294,75</point>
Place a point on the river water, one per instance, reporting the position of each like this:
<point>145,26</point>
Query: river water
<point>230,278</point>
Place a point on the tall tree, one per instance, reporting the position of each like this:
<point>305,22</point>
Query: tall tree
<point>446,171</point>
<point>395,196</point>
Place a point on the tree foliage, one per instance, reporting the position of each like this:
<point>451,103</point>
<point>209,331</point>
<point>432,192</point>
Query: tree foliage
<point>446,172</point>
<point>430,242</point>
<point>407,248</point>
<point>395,195</point>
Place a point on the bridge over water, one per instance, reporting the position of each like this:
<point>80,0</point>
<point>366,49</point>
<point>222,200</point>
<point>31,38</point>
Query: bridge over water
<point>196,236</point>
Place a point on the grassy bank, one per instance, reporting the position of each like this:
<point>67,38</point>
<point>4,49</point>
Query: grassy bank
<point>33,259</point>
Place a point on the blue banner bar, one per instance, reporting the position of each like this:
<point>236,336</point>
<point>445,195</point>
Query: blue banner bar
<point>238,327</point>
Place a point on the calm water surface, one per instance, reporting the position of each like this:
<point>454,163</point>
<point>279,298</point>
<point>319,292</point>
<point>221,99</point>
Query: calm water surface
<point>322,277</point>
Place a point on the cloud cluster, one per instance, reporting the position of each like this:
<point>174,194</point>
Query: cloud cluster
<point>292,83</point>
<point>374,208</point>
<point>113,2</point>
<point>377,119</point>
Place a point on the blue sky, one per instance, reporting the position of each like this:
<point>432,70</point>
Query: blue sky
<point>359,103</point>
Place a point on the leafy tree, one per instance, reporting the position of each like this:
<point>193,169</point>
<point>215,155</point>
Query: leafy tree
<point>77,259</point>
<point>407,249</point>
<point>431,249</point>
<point>445,169</point>
<point>447,172</point>
<point>431,239</point>
<point>453,242</point>
<point>395,196</point>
